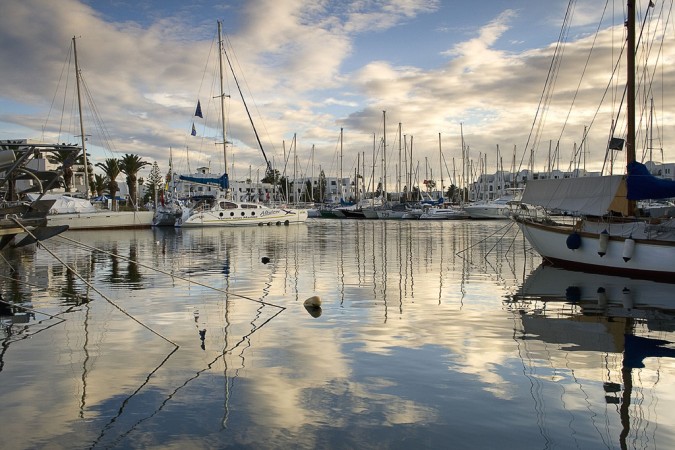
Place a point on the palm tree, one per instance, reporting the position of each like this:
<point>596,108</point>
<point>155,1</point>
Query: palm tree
<point>130,165</point>
<point>99,184</point>
<point>111,169</point>
<point>66,160</point>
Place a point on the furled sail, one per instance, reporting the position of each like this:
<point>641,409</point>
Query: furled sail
<point>223,181</point>
<point>642,185</point>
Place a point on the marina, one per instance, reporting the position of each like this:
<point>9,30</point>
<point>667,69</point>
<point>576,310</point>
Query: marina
<point>427,333</point>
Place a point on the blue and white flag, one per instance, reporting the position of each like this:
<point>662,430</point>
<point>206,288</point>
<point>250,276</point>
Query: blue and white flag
<point>198,112</point>
<point>194,130</point>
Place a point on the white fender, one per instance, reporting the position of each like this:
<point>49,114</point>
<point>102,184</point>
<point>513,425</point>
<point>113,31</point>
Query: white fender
<point>628,249</point>
<point>603,239</point>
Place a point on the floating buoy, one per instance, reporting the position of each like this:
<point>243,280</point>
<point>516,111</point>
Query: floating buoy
<point>265,260</point>
<point>603,239</point>
<point>628,249</point>
<point>314,301</point>
<point>602,297</point>
<point>574,241</point>
<point>313,306</point>
<point>627,298</point>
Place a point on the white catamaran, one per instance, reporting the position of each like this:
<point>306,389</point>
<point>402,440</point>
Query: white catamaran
<point>223,210</point>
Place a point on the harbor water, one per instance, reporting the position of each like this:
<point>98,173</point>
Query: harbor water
<point>430,334</point>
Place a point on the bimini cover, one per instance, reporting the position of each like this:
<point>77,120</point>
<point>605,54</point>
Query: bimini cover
<point>642,185</point>
<point>587,195</point>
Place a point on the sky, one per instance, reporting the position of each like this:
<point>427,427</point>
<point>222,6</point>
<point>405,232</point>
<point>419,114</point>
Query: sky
<point>471,72</point>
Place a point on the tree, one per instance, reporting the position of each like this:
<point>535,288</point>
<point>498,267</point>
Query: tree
<point>452,192</point>
<point>272,177</point>
<point>307,192</point>
<point>99,184</point>
<point>320,193</point>
<point>111,169</point>
<point>130,165</point>
<point>66,159</point>
<point>154,182</point>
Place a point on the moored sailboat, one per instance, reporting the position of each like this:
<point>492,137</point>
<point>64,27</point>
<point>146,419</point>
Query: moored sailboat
<point>606,234</point>
<point>223,210</point>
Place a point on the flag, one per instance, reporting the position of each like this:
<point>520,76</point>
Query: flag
<point>194,130</point>
<point>616,143</point>
<point>198,112</point>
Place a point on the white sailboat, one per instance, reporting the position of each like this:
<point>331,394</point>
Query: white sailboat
<point>606,235</point>
<point>223,210</point>
<point>80,214</point>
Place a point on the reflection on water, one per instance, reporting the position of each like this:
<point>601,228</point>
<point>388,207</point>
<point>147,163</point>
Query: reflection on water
<point>429,333</point>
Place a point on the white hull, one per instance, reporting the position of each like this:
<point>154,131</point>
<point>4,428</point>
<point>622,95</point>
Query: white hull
<point>551,283</point>
<point>102,220</point>
<point>650,258</point>
<point>487,211</point>
<point>244,217</point>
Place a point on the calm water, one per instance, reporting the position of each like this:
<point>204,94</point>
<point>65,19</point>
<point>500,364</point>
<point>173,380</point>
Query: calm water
<point>430,335</point>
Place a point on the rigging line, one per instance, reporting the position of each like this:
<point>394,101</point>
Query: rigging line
<point>234,76</point>
<point>18,222</point>
<point>66,62</point>
<point>248,88</point>
<point>485,239</point>
<point>133,394</point>
<point>169,274</point>
<point>172,394</point>
<point>75,296</point>
<point>583,72</point>
<point>544,98</point>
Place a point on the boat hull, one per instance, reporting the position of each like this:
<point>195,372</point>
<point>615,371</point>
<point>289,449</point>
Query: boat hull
<point>271,216</point>
<point>102,220</point>
<point>486,212</point>
<point>649,259</point>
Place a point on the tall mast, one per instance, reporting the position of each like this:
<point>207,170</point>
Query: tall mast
<point>630,92</point>
<point>222,93</point>
<point>440,161</point>
<point>384,156</point>
<point>79,105</point>
<point>341,182</point>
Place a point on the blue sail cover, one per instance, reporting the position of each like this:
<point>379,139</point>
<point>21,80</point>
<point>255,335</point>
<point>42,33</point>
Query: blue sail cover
<point>642,185</point>
<point>223,181</point>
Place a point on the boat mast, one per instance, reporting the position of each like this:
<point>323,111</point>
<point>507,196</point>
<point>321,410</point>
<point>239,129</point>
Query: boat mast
<point>221,48</point>
<point>384,156</point>
<point>79,105</point>
<point>630,92</point>
<point>440,161</point>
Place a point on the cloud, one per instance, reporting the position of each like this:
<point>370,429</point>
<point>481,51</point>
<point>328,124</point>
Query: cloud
<point>290,58</point>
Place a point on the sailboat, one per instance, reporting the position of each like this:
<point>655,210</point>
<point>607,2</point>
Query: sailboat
<point>223,210</point>
<point>607,235</point>
<point>80,214</point>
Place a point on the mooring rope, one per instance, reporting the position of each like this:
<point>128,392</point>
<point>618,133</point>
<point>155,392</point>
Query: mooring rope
<point>92,287</point>
<point>187,280</point>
